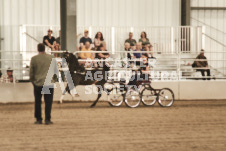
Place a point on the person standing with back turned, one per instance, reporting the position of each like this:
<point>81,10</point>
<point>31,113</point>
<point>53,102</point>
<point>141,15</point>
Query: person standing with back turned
<point>39,67</point>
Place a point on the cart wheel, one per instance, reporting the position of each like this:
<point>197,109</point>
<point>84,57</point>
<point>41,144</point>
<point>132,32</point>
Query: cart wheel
<point>132,98</point>
<point>165,97</point>
<point>115,97</point>
<point>148,98</point>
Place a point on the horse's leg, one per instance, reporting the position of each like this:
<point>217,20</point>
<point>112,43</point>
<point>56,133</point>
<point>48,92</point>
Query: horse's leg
<point>71,88</point>
<point>76,80</point>
<point>64,92</point>
<point>74,93</point>
<point>98,97</point>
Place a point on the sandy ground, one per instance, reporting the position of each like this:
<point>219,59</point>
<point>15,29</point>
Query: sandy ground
<point>188,125</point>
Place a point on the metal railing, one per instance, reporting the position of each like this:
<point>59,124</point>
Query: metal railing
<point>174,63</point>
<point>168,41</point>
<point>164,39</point>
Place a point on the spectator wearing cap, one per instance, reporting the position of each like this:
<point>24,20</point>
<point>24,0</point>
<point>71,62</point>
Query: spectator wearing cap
<point>143,39</point>
<point>202,64</point>
<point>131,41</point>
<point>99,40</point>
<point>84,39</point>
<point>49,40</point>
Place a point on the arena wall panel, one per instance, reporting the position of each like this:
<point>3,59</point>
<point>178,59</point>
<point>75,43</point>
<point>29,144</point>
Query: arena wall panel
<point>184,90</point>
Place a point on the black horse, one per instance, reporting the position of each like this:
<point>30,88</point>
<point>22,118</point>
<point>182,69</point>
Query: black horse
<point>79,74</point>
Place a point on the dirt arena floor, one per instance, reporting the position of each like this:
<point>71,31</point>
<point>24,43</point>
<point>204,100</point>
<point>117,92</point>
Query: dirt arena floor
<point>188,125</point>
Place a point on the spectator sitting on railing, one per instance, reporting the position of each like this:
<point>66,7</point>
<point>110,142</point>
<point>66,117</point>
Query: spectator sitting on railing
<point>202,64</point>
<point>131,41</point>
<point>84,39</point>
<point>99,39</point>
<point>143,39</point>
<point>86,54</point>
<point>49,40</point>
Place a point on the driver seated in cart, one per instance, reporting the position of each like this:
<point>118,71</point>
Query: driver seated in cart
<point>142,75</point>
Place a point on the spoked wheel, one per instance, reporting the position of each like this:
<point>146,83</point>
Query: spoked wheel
<point>132,98</point>
<point>165,97</point>
<point>115,97</point>
<point>148,97</point>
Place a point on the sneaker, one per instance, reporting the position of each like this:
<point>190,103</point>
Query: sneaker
<point>38,122</point>
<point>48,122</point>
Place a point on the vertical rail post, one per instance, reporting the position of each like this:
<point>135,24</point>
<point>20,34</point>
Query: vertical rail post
<point>172,40</point>
<point>203,37</point>
<point>113,40</point>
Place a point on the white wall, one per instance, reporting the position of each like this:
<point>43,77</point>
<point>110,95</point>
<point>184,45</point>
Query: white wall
<point>90,13</point>
<point>215,20</point>
<point>128,12</point>
<point>183,90</point>
<point>41,12</point>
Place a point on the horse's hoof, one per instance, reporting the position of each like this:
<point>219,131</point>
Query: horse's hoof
<point>93,105</point>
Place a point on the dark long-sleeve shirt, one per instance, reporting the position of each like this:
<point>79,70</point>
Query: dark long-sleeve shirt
<point>201,63</point>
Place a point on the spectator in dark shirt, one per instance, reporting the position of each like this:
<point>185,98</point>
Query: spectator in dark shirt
<point>102,55</point>
<point>84,39</point>
<point>131,41</point>
<point>49,40</point>
<point>202,64</point>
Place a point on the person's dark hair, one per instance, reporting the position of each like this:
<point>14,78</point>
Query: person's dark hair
<point>41,47</point>
<point>145,34</point>
<point>145,54</point>
<point>101,38</point>
<point>49,30</point>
